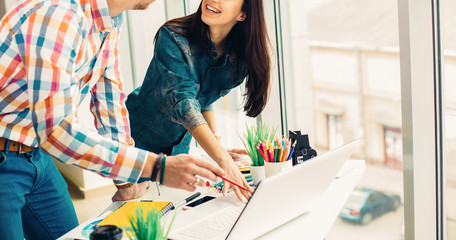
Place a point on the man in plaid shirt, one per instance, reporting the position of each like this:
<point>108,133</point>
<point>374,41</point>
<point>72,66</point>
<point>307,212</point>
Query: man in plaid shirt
<point>53,53</point>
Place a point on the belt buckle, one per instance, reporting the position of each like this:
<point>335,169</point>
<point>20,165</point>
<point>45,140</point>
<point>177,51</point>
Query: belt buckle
<point>20,149</point>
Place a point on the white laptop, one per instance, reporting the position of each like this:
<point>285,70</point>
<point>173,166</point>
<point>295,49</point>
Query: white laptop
<point>276,200</point>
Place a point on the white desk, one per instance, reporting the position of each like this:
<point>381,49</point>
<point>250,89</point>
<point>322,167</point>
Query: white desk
<point>312,225</point>
<point>316,223</point>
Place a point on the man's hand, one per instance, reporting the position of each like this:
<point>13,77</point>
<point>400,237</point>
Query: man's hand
<point>181,172</point>
<point>135,191</point>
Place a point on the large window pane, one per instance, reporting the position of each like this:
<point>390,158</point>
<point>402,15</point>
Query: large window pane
<point>343,84</point>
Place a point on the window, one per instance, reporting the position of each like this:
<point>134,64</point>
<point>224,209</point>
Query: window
<point>339,75</point>
<point>342,81</point>
<point>336,137</point>
<point>393,147</point>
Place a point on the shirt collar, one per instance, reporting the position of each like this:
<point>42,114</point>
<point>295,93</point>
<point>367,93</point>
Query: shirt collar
<point>102,17</point>
<point>226,52</point>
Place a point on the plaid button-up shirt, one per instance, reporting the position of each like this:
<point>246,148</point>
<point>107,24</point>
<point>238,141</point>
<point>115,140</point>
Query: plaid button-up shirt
<point>52,54</point>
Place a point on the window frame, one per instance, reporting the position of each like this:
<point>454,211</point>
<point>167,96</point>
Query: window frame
<point>421,118</point>
<point>419,42</point>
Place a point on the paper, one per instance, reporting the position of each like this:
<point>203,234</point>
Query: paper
<point>121,217</point>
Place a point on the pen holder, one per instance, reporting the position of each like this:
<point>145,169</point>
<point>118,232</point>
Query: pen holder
<point>272,168</point>
<point>258,174</point>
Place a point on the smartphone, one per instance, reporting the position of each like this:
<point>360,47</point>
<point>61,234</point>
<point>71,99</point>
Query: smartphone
<point>200,201</point>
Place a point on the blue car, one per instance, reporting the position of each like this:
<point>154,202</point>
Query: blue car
<point>366,204</point>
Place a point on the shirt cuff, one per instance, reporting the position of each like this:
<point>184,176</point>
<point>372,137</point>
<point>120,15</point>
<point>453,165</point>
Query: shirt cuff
<point>208,109</point>
<point>193,119</point>
<point>129,164</point>
<point>188,113</point>
<point>119,182</point>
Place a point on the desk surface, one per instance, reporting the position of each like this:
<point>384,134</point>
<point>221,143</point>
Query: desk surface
<point>316,223</point>
<point>312,225</point>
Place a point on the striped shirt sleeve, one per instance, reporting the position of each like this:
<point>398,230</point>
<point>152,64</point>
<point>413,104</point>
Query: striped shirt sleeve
<point>108,100</point>
<point>51,42</point>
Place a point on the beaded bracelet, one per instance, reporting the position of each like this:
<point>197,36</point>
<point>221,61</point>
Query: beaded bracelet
<point>162,172</point>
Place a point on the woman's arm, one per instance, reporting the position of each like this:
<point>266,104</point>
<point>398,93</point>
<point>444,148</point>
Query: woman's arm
<point>204,136</point>
<point>209,116</point>
<point>186,109</point>
<point>210,119</point>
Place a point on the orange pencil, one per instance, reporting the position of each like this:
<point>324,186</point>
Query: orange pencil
<point>281,152</point>
<point>285,154</point>
<point>265,149</point>
<point>271,159</point>
<point>266,153</point>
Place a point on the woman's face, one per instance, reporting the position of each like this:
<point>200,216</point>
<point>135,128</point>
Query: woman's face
<point>222,13</point>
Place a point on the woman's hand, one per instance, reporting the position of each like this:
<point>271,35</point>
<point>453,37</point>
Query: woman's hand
<point>181,172</point>
<point>236,153</point>
<point>204,136</point>
<point>232,172</point>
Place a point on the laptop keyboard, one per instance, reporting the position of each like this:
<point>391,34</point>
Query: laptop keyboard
<point>214,226</point>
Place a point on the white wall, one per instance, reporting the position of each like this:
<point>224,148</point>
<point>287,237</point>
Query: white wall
<point>5,5</point>
<point>143,26</point>
<point>9,4</point>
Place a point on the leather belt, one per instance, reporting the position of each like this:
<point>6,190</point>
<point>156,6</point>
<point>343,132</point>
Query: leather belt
<point>15,146</point>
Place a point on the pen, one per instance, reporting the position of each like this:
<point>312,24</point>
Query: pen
<point>183,202</point>
<point>226,179</point>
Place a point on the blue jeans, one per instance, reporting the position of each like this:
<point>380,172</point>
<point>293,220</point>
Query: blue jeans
<point>34,200</point>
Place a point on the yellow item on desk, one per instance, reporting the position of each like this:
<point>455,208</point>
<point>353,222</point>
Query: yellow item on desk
<point>121,217</point>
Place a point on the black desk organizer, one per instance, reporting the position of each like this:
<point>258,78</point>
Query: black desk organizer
<point>303,151</point>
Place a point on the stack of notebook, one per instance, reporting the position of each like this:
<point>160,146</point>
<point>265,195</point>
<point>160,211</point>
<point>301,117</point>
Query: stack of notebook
<point>121,217</point>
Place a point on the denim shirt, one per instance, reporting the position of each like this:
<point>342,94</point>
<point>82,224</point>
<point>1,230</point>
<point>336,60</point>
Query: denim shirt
<point>182,81</point>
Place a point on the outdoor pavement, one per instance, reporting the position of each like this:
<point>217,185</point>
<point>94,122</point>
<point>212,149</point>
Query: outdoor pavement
<point>388,226</point>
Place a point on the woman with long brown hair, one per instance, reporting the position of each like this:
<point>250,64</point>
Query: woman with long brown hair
<point>198,59</point>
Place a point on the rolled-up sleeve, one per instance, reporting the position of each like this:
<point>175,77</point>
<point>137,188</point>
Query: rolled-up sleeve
<point>180,89</point>
<point>208,109</point>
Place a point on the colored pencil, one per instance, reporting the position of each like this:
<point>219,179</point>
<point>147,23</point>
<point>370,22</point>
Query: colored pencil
<point>287,151</point>
<point>239,186</point>
<point>271,158</point>
<point>261,153</point>
<point>292,150</point>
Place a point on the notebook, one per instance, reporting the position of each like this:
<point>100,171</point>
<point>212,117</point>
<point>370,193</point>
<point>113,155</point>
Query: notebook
<point>276,200</point>
<point>121,216</point>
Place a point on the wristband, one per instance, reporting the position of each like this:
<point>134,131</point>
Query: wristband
<point>157,166</point>
<point>162,172</point>
<point>127,185</point>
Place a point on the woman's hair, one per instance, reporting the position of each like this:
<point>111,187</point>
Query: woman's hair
<point>249,42</point>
